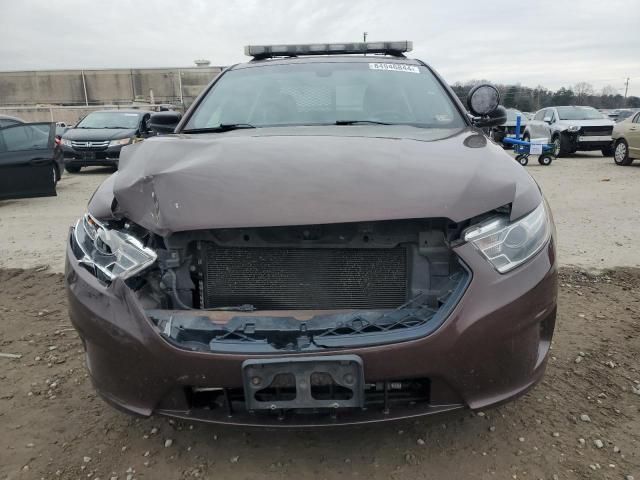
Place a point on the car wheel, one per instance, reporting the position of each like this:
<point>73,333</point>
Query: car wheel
<point>607,151</point>
<point>621,153</point>
<point>522,159</point>
<point>72,169</point>
<point>560,147</point>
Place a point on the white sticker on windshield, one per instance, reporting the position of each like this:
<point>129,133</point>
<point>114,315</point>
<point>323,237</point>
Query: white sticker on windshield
<point>394,67</point>
<point>130,114</point>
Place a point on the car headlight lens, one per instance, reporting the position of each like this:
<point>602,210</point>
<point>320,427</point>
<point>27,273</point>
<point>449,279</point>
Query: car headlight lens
<point>65,142</point>
<point>110,252</point>
<point>121,141</point>
<point>573,128</point>
<point>508,244</point>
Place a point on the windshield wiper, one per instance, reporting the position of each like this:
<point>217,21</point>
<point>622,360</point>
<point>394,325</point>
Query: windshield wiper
<point>223,127</point>
<point>356,122</point>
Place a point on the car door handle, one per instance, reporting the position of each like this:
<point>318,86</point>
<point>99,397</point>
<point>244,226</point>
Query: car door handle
<point>39,161</point>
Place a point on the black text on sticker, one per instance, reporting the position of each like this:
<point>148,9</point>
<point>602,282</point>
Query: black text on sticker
<point>395,67</point>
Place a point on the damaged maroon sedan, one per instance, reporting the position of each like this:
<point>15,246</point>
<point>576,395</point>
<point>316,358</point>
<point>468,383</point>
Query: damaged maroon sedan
<point>325,237</point>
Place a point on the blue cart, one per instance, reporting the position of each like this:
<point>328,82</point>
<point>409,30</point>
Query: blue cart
<point>523,149</point>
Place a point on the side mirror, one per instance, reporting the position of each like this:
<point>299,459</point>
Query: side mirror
<point>164,122</point>
<point>546,119</point>
<point>483,102</point>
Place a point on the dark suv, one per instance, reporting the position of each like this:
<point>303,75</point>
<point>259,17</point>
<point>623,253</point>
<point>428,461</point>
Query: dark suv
<point>98,138</point>
<point>326,238</point>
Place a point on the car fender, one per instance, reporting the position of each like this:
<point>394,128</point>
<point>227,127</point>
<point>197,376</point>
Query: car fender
<point>561,128</point>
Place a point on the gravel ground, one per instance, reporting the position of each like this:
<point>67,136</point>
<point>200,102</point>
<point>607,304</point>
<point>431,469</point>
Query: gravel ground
<point>595,205</point>
<point>581,422</point>
<point>53,426</point>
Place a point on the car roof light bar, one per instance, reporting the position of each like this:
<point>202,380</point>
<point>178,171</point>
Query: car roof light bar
<point>396,49</point>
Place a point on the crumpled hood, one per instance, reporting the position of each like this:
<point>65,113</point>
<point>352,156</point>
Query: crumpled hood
<point>275,177</point>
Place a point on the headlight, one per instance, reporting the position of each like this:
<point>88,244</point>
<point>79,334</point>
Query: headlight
<point>122,141</point>
<point>507,245</point>
<point>111,252</point>
<point>573,128</point>
<point>65,142</point>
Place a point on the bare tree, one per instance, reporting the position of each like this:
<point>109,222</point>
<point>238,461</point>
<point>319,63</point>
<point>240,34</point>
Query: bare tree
<point>582,90</point>
<point>608,90</point>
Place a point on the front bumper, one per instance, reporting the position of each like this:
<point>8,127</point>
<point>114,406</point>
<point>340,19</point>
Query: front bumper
<point>590,142</point>
<point>491,348</point>
<point>88,158</point>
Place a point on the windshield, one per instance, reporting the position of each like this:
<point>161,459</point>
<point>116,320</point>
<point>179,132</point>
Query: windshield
<point>125,120</point>
<point>579,113</point>
<point>326,93</point>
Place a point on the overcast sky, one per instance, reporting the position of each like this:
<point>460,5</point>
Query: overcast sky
<point>548,42</point>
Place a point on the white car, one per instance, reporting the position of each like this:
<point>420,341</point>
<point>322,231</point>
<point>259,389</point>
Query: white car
<point>571,128</point>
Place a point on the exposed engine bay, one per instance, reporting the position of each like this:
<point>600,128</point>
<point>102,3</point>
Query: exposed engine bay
<point>305,287</point>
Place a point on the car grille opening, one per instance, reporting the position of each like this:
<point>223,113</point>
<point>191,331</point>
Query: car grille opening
<point>88,145</point>
<point>287,278</point>
<point>313,287</point>
<point>595,131</point>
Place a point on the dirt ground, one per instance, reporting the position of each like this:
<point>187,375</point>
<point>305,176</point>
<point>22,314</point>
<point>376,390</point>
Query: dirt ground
<point>52,424</point>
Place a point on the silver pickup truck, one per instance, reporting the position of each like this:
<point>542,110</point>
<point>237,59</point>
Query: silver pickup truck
<point>571,128</point>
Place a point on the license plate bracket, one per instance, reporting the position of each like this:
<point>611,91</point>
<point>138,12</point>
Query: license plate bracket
<point>88,156</point>
<point>346,389</point>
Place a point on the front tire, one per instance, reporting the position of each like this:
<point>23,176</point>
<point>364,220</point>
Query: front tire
<point>607,151</point>
<point>561,145</point>
<point>621,153</point>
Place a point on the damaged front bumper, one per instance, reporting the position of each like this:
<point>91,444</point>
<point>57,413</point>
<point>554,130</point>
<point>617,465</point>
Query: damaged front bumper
<point>489,346</point>
<point>294,331</point>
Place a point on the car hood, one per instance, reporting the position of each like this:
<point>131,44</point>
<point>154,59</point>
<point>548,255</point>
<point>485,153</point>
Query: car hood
<point>301,176</point>
<point>98,134</point>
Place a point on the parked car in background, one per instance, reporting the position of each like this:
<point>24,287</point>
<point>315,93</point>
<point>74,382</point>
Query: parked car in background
<point>98,138</point>
<point>626,138</point>
<point>6,120</point>
<point>508,128</point>
<point>30,161</point>
<point>624,114</point>
<point>571,128</point>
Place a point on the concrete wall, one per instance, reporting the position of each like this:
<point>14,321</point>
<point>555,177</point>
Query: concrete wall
<point>177,86</point>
